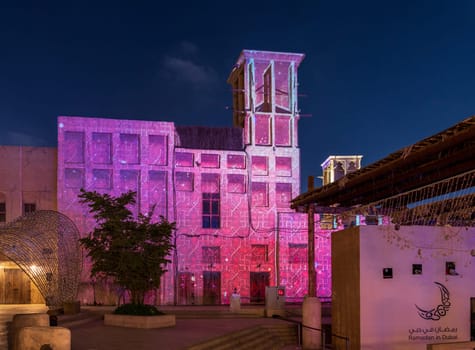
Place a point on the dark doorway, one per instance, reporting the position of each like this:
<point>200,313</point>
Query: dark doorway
<point>17,287</point>
<point>211,287</point>
<point>186,288</point>
<point>259,282</point>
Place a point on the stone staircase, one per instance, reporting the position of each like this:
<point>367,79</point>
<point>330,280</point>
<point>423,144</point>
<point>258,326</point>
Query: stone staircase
<point>69,321</point>
<point>244,313</point>
<point>264,337</point>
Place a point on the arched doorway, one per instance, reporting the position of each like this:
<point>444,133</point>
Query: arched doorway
<point>15,285</point>
<point>44,245</point>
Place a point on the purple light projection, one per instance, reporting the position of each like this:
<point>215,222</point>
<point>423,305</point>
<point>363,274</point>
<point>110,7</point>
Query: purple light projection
<point>234,225</point>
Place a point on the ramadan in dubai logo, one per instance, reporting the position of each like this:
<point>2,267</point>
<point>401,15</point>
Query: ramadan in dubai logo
<point>439,311</point>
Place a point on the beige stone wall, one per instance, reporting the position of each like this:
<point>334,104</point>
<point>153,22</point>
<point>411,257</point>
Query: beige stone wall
<point>346,287</point>
<point>421,302</point>
<point>27,175</point>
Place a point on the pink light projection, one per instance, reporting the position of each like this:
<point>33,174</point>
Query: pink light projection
<point>235,228</point>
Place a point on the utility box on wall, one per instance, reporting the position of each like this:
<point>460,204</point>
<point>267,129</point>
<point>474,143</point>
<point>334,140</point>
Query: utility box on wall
<point>275,301</point>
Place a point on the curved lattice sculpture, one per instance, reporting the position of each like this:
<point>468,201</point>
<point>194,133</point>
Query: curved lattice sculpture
<point>44,244</point>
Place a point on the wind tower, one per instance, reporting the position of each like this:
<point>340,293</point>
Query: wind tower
<point>264,88</point>
<point>265,105</point>
<point>335,167</point>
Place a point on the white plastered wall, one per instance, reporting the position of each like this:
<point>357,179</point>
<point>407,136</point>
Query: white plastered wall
<point>388,315</point>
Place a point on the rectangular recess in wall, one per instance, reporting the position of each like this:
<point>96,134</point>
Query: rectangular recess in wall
<point>157,192</point>
<point>236,161</point>
<point>73,178</point>
<point>184,159</point>
<point>260,194</point>
<point>259,252</point>
<point>101,148</point>
<point>283,166</point>
<point>73,147</point>
<point>283,194</point>
<point>259,165</point>
<point>236,183</point>
<point>210,254</point>
<point>262,130</point>
<point>102,178</point>
<point>209,160</point>
<point>184,181</point>
<point>157,149</point>
<point>297,253</point>
<point>282,131</point>
<point>129,180</point>
<point>210,183</point>
<point>129,149</point>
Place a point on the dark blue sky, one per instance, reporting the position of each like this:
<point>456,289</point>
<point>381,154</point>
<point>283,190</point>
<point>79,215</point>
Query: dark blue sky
<point>377,77</point>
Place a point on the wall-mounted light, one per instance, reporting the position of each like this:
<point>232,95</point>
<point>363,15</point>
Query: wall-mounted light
<point>387,272</point>
<point>450,268</point>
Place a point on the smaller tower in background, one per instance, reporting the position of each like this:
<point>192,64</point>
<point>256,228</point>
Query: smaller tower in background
<point>335,167</point>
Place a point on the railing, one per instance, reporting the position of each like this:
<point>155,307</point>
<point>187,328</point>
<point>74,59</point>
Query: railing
<point>300,326</point>
<point>346,339</point>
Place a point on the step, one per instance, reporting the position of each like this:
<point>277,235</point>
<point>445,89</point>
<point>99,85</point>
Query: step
<point>222,342</point>
<point>255,338</point>
<point>81,318</point>
<point>261,340</point>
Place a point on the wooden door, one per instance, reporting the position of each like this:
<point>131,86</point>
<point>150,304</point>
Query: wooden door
<point>17,287</point>
<point>259,282</point>
<point>186,293</point>
<point>211,288</point>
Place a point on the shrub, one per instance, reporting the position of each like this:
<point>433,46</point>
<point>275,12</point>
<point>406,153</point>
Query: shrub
<point>137,310</point>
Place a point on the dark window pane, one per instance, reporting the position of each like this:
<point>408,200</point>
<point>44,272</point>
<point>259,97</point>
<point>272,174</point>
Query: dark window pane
<point>215,222</point>
<point>210,210</point>
<point>215,208</point>
<point>29,208</point>
<point>3,215</point>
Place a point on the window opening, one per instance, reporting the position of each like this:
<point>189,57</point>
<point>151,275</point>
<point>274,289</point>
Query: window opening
<point>211,213</point>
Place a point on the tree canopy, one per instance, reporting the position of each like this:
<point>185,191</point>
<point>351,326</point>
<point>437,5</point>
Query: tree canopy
<point>133,251</point>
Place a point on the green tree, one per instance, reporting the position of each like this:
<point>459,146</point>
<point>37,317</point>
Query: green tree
<point>134,252</point>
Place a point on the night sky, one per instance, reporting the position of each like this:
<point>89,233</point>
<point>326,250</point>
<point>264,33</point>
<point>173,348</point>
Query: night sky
<point>377,77</point>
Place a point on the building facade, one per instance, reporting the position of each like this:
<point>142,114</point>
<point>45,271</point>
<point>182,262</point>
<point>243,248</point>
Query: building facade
<point>227,189</point>
<point>27,183</point>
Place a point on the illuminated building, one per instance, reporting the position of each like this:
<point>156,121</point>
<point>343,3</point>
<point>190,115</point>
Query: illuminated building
<point>228,189</point>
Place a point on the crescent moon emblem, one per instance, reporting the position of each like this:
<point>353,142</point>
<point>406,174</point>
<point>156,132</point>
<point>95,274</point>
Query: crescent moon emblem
<point>440,310</point>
